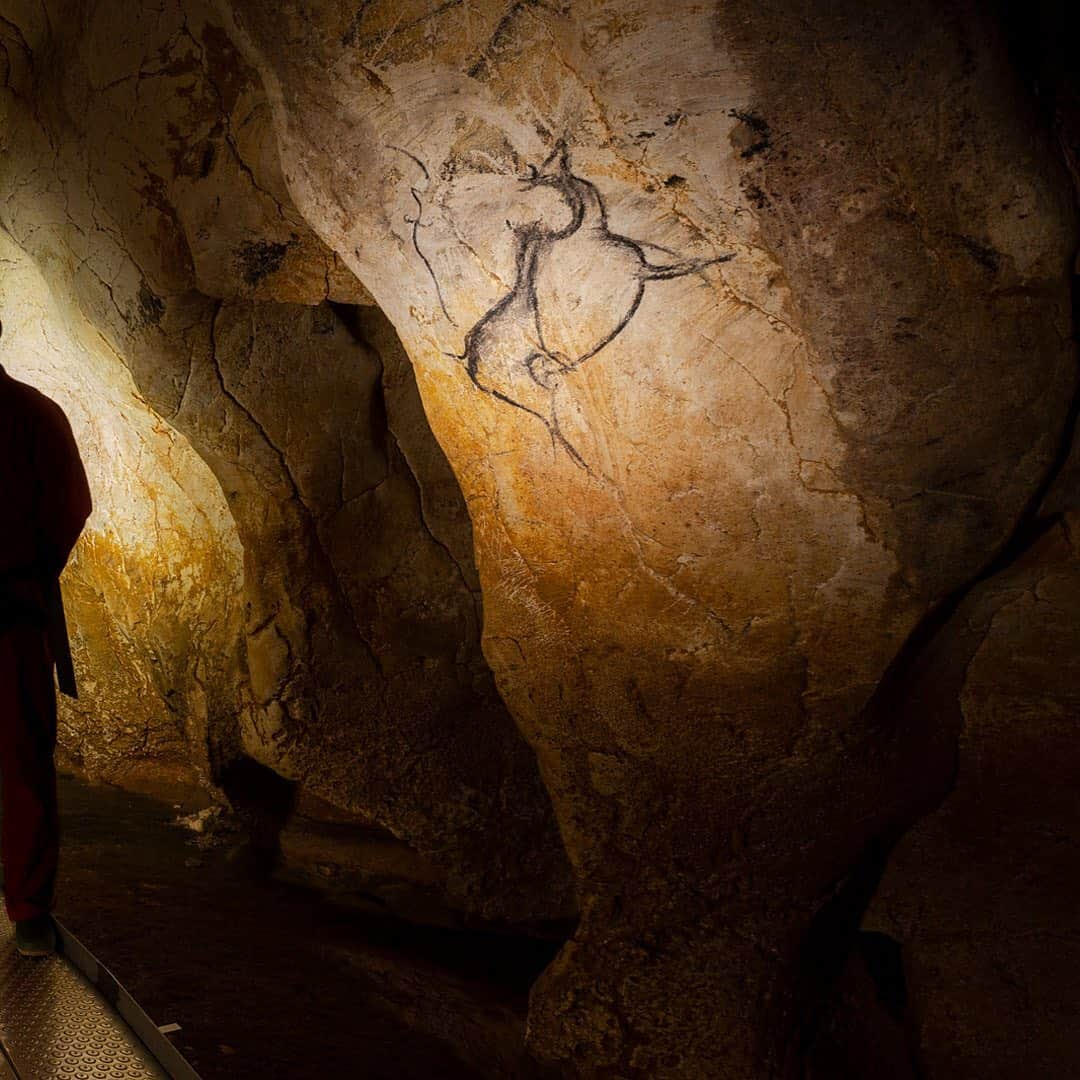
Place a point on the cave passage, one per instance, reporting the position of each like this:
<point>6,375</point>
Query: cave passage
<point>584,574</point>
<point>220,887</point>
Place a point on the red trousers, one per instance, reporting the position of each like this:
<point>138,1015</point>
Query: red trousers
<point>30,827</point>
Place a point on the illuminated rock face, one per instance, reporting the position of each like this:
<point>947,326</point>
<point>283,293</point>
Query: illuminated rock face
<point>154,588</point>
<point>745,334</point>
<point>363,608</point>
<point>140,172</point>
<point>743,365</point>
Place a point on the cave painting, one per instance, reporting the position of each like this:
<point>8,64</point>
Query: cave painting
<point>576,288</point>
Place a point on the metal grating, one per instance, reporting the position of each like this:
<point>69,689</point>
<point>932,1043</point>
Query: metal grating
<point>54,1026</point>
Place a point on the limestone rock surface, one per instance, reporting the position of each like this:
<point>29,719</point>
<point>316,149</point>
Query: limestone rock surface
<point>981,894</point>
<point>695,300</point>
<point>141,174</point>
<point>154,587</point>
<point>718,353</point>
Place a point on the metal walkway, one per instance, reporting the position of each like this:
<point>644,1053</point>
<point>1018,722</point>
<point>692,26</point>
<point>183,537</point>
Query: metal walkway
<point>65,1017</point>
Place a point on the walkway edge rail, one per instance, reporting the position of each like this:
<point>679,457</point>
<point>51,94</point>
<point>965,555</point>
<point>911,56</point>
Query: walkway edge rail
<point>108,986</point>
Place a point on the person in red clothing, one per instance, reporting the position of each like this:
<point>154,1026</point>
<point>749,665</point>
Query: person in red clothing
<point>44,504</point>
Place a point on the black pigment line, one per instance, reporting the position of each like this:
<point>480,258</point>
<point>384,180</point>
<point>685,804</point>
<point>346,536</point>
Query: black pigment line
<point>416,223</point>
<point>505,351</point>
<point>413,158</point>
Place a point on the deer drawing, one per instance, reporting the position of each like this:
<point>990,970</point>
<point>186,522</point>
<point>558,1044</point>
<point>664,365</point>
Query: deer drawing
<point>576,288</point>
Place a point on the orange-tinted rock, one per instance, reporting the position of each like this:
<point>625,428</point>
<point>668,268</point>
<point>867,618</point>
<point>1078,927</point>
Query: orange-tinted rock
<point>154,587</point>
<point>139,170</point>
<point>746,335</point>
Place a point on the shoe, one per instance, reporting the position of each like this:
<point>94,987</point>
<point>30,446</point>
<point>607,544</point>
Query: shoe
<point>36,936</point>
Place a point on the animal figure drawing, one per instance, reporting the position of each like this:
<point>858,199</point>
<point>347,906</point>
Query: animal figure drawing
<point>576,288</point>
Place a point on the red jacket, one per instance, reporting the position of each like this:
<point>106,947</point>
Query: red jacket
<point>44,496</point>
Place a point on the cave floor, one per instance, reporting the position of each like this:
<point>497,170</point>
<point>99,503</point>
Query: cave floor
<point>268,980</point>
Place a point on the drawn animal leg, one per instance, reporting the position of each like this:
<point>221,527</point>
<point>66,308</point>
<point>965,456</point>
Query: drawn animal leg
<point>502,360</point>
<point>545,370</point>
<point>652,272</point>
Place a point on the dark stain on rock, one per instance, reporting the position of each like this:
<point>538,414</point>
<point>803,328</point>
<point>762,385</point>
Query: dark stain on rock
<point>352,31</point>
<point>401,32</point>
<point>151,306</point>
<point>987,257</point>
<point>209,156</point>
<point>675,181</point>
<point>501,37</point>
<point>754,195</point>
<point>751,136</point>
<point>226,69</point>
<point>261,258</point>
<point>905,331</point>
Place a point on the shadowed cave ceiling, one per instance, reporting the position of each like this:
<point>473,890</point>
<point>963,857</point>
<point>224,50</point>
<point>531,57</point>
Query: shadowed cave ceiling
<point>619,449</point>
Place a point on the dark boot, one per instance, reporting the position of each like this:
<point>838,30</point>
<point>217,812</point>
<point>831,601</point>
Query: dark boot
<point>36,936</point>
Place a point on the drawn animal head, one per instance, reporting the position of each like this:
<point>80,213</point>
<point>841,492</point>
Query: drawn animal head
<point>554,172</point>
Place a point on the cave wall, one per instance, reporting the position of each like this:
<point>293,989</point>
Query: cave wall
<point>154,586</point>
<point>140,174</point>
<point>746,333</point>
<point>746,336</point>
<point>981,894</point>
